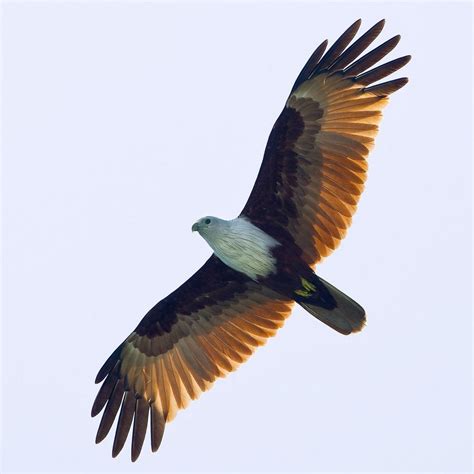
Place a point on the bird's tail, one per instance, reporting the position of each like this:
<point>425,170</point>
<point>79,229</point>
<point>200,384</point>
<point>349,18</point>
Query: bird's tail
<point>330,305</point>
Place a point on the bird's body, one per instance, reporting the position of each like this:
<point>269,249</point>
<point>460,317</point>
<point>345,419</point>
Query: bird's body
<point>301,205</point>
<point>245,248</point>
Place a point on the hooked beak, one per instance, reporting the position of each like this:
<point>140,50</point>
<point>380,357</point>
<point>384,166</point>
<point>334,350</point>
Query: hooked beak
<point>195,227</point>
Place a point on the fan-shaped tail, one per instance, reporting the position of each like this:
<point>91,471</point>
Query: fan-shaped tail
<point>331,306</point>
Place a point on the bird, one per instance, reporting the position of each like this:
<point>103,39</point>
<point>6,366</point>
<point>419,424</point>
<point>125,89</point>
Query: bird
<point>263,261</point>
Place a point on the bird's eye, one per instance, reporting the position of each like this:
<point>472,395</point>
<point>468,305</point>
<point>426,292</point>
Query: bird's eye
<point>207,221</point>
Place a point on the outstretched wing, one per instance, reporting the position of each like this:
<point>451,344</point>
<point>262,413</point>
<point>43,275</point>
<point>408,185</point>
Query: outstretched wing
<point>314,167</point>
<point>201,331</point>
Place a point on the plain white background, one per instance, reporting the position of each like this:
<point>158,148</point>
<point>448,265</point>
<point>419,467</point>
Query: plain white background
<point>122,124</point>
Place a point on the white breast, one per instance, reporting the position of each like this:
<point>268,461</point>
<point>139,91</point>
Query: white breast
<point>244,247</point>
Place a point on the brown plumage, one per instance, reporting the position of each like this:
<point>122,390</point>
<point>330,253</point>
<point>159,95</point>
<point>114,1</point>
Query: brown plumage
<point>314,167</point>
<point>168,361</point>
<point>305,195</point>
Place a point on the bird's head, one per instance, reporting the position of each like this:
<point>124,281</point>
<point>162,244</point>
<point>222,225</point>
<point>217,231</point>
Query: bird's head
<point>206,225</point>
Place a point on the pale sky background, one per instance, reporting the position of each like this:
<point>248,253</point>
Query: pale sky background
<point>125,122</point>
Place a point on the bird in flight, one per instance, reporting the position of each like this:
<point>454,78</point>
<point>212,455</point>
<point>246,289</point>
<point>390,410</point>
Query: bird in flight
<point>300,207</point>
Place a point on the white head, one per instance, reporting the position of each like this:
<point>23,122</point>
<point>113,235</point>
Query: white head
<point>239,244</point>
<point>209,225</point>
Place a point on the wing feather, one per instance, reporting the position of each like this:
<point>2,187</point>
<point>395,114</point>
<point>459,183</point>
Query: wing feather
<point>157,427</point>
<point>104,394</point>
<point>369,59</point>
<point>353,51</point>
<point>124,423</point>
<point>140,421</point>
<point>111,410</point>
<point>202,331</point>
<point>315,162</point>
<point>338,47</point>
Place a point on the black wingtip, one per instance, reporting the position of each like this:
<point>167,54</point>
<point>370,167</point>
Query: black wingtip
<point>386,88</point>
<point>401,82</point>
<point>396,39</point>
<point>96,408</point>
<point>99,437</point>
<point>124,422</point>
<point>310,65</point>
<point>373,75</point>
<point>371,58</point>
<point>140,422</point>
<point>108,365</point>
<point>360,45</point>
<point>379,26</point>
<point>103,394</point>
<point>393,41</point>
<point>105,370</point>
<point>338,47</point>
<point>157,428</point>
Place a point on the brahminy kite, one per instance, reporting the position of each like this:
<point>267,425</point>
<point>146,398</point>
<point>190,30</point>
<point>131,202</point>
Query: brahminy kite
<point>306,192</point>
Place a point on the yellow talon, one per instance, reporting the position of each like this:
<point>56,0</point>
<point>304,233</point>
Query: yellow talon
<point>302,293</point>
<point>307,285</point>
<point>307,290</point>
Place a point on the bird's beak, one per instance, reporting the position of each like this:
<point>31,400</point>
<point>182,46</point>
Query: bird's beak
<point>195,227</point>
